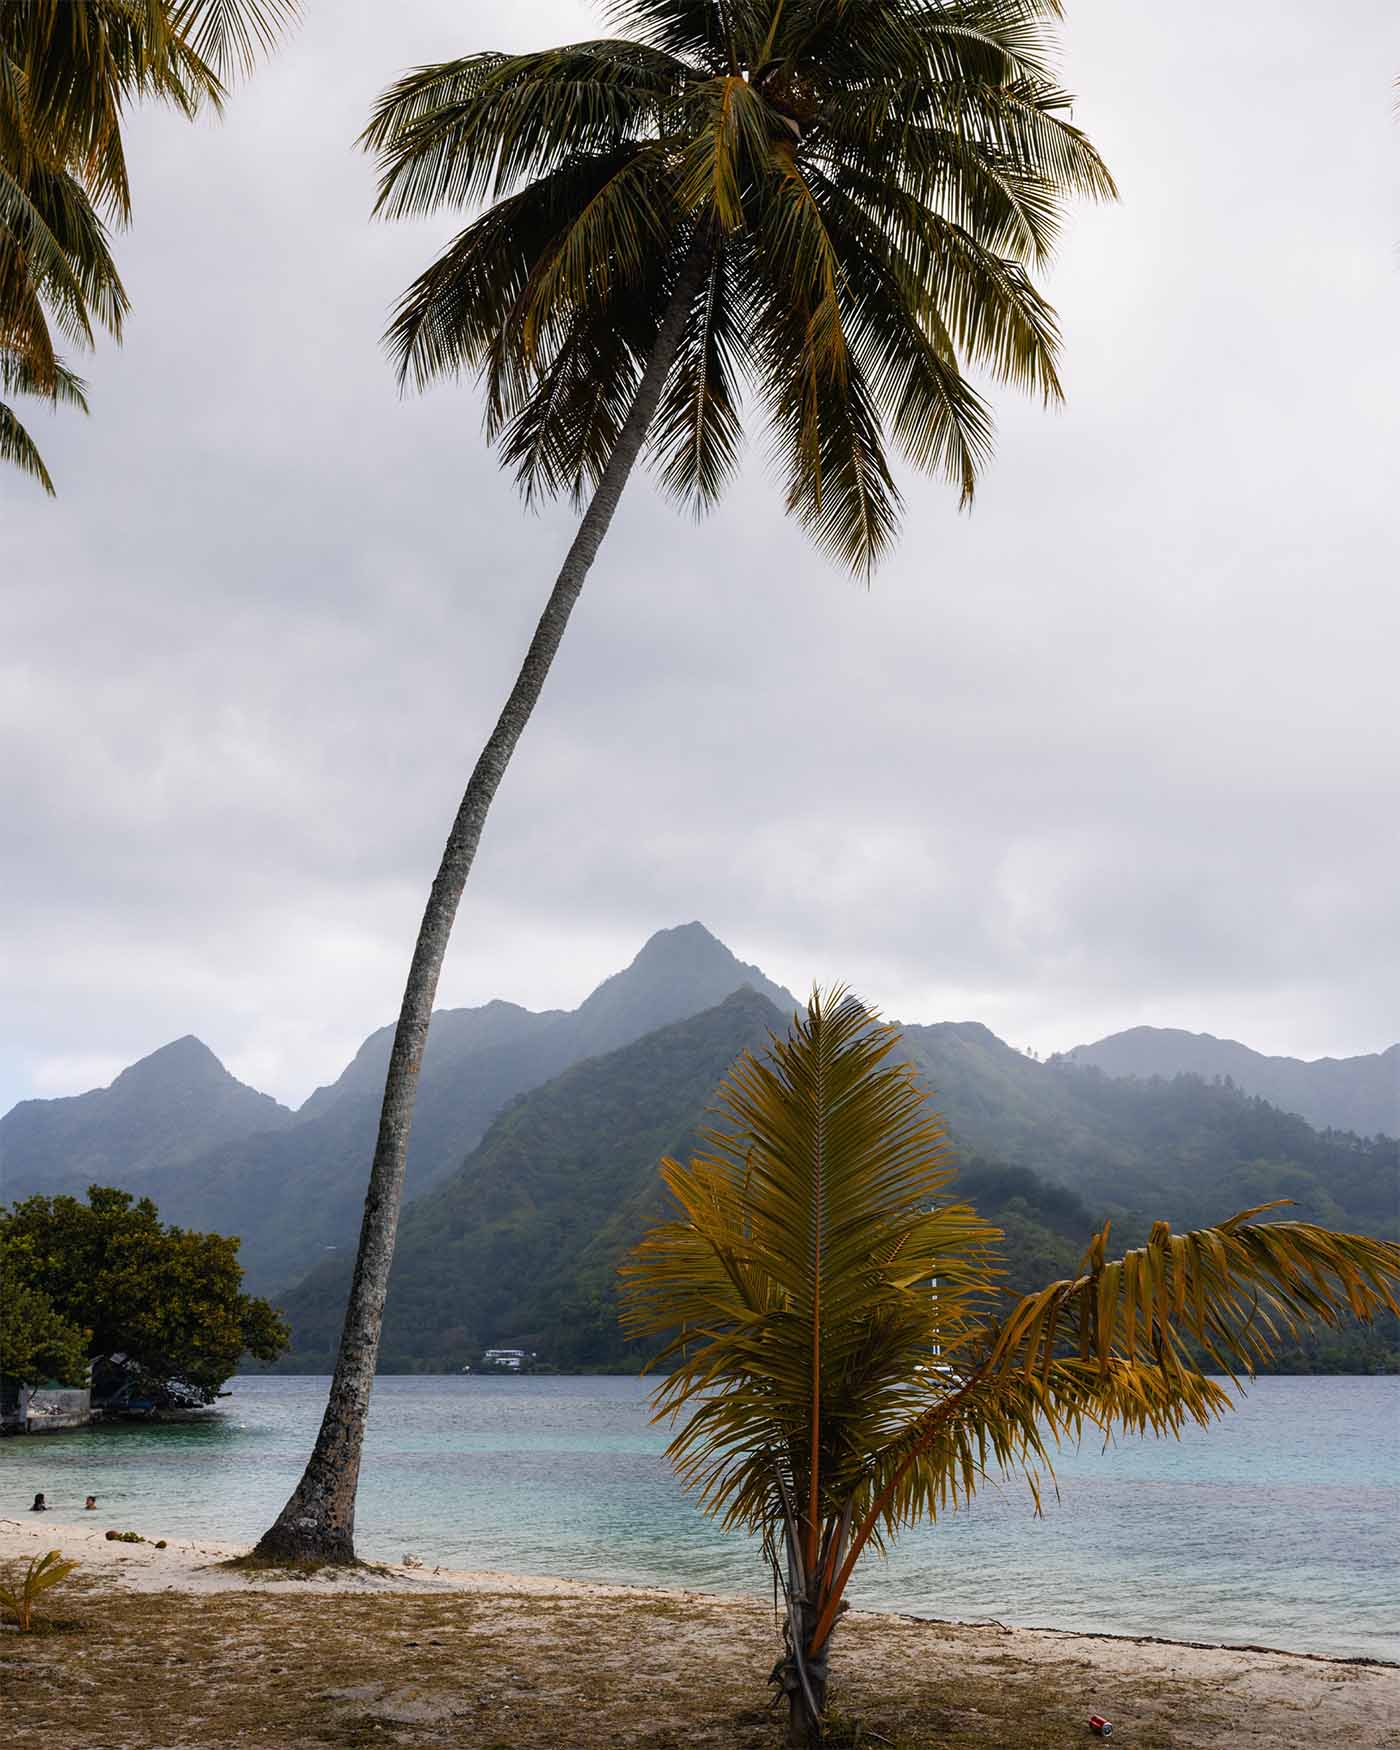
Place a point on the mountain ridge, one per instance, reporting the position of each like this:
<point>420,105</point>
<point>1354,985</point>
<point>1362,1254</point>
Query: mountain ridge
<point>295,1191</point>
<point>160,1113</point>
<point>519,1246</point>
<point>1360,1094</point>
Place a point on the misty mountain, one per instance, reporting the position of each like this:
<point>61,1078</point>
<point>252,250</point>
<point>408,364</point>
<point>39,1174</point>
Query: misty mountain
<point>1186,1148</point>
<point>295,1192</point>
<point>1361,1094</point>
<point>525,1236</point>
<point>520,1245</point>
<point>164,1112</point>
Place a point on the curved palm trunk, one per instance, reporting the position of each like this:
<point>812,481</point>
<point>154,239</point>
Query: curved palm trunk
<point>318,1522</point>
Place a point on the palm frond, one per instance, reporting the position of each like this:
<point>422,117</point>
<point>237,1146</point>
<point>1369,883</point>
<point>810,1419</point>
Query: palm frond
<point>708,33</point>
<point>232,36</point>
<point>697,431</point>
<point>728,149</point>
<point>876,177</point>
<point>458,131</point>
<point>60,387</point>
<point>794,1292</point>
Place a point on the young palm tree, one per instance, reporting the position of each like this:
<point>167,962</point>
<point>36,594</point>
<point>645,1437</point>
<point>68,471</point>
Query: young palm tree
<point>820,1265</point>
<point>68,71</point>
<point>830,204</point>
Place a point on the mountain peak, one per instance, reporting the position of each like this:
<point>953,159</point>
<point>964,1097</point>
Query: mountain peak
<point>162,1111</point>
<point>184,1062</point>
<point>678,972</point>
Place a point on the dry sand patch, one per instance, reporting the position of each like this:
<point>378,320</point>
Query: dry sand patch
<point>170,1650</point>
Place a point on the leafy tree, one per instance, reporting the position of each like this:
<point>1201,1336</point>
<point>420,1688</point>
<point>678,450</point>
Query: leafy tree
<point>832,206</point>
<point>820,1264</point>
<point>68,71</point>
<point>162,1308</point>
<point>36,1343</point>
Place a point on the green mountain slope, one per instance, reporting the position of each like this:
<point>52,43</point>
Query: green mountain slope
<point>1187,1149</point>
<point>163,1112</point>
<point>520,1245</point>
<point>1360,1094</point>
<point>295,1192</point>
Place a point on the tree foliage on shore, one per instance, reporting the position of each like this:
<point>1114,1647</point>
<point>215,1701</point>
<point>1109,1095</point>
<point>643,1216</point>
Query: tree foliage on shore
<point>104,1282</point>
<point>845,1359</point>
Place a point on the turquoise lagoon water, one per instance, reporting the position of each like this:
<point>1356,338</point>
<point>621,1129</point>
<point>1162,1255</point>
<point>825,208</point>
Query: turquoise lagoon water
<point>1280,1526</point>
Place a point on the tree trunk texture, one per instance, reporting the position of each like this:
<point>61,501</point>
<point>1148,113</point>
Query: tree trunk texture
<point>318,1521</point>
<point>803,1680</point>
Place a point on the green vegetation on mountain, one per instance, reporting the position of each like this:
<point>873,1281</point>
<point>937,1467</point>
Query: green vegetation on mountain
<point>1361,1093</point>
<point>164,1111</point>
<point>1193,1149</point>
<point>292,1186</point>
<point>161,1312</point>
<point>1048,1149</point>
<point>520,1247</point>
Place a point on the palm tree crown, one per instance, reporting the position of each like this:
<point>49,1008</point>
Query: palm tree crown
<point>865,182</point>
<point>843,1360</point>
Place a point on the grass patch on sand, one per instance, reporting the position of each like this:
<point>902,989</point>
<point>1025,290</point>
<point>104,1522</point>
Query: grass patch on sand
<point>153,1671</point>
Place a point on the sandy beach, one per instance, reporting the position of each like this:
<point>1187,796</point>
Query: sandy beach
<point>154,1649</point>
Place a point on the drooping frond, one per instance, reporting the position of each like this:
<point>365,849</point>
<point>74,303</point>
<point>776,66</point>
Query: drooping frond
<point>1237,1290</point>
<point>232,36</point>
<point>70,71</point>
<point>61,387</point>
<point>697,432</point>
<point>462,130</point>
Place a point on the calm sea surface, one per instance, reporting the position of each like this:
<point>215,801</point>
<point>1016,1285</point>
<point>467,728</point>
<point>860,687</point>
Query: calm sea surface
<point>1281,1525</point>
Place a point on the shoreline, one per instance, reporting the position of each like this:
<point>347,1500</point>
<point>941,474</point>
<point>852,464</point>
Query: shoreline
<point>196,1565</point>
<point>427,1655</point>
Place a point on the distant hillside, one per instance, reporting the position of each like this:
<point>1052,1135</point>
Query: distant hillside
<point>295,1192</point>
<point>1361,1094</point>
<point>163,1112</point>
<point>1184,1148</point>
<point>455,1034</point>
<point>520,1246</point>
<point>521,1243</point>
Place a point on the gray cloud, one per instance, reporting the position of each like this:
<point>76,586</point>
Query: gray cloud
<point>1121,746</point>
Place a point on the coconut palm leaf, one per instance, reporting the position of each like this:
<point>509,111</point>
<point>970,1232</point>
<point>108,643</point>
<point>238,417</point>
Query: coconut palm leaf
<point>68,74</point>
<point>872,178</point>
<point>840,1361</point>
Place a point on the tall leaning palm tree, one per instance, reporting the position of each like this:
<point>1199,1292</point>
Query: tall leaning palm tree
<point>820,1262</point>
<point>831,207</point>
<point>69,72</point>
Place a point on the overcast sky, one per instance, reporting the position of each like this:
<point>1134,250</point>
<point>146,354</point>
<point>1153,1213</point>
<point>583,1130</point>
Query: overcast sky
<point>1119,747</point>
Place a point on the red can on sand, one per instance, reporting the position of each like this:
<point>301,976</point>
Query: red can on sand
<point>1100,1727</point>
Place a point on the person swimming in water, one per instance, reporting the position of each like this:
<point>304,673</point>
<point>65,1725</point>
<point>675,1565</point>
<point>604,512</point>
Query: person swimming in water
<point>90,1505</point>
<point>40,1505</point>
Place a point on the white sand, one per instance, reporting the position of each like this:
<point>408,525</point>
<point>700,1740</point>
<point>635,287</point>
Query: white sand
<point>193,1565</point>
